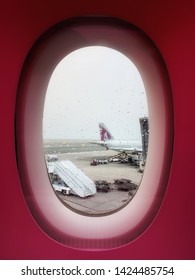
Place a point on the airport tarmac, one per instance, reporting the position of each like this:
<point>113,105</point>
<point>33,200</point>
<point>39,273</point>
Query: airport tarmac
<point>101,203</point>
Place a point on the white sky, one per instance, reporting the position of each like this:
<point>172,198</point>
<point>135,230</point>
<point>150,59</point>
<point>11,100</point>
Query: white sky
<point>92,85</point>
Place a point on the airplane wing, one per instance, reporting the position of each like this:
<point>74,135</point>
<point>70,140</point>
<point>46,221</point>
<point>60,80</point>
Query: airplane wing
<point>100,143</point>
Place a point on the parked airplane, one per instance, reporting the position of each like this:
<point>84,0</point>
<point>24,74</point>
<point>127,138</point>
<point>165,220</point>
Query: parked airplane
<point>110,143</point>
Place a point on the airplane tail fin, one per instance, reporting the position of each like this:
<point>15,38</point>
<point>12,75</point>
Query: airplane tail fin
<point>105,134</point>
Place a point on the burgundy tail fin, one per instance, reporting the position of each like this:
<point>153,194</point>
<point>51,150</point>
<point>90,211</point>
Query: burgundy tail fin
<point>105,135</point>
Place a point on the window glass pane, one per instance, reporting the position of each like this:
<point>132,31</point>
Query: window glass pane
<point>95,127</point>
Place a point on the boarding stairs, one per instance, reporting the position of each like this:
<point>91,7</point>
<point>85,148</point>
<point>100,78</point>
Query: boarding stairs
<point>74,178</point>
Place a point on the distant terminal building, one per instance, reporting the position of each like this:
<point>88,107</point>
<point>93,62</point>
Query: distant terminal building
<point>144,126</point>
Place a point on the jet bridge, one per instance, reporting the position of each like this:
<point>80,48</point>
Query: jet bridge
<point>74,178</point>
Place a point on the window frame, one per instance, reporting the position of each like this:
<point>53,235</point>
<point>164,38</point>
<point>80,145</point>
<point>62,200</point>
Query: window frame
<point>59,222</point>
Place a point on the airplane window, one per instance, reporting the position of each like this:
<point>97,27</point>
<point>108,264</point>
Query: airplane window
<point>94,117</point>
<point>82,127</point>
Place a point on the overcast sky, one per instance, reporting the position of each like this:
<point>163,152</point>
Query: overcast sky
<point>92,85</point>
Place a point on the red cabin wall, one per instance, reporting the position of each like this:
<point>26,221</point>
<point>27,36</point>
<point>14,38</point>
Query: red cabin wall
<point>171,26</point>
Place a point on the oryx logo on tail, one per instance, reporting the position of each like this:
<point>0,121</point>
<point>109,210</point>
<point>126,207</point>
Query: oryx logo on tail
<point>105,135</point>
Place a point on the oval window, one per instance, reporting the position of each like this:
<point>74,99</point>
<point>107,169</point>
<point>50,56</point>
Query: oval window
<point>91,89</point>
<point>79,119</point>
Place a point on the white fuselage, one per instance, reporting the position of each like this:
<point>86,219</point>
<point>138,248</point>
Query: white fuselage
<point>122,145</point>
